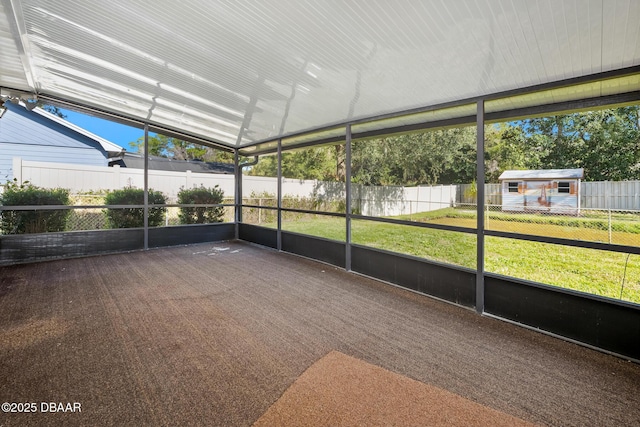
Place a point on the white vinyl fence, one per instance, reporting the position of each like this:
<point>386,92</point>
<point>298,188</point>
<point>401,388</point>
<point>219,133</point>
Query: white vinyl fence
<point>396,200</point>
<point>369,200</point>
<point>614,195</point>
<point>85,179</point>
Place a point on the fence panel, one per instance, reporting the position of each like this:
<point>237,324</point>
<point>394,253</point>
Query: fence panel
<point>85,178</point>
<point>615,195</point>
<point>370,200</point>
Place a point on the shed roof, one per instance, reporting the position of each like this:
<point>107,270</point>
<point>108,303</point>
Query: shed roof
<point>543,174</point>
<point>245,73</point>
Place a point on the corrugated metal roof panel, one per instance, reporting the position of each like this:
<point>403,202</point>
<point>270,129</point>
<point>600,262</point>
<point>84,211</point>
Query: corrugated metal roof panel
<point>246,72</point>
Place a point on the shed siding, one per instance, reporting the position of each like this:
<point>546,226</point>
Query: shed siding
<point>541,196</point>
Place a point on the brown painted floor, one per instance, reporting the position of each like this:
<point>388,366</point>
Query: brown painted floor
<point>342,391</point>
<point>215,334</point>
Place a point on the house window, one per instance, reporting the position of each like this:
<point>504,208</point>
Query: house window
<point>564,187</point>
<point>512,187</point>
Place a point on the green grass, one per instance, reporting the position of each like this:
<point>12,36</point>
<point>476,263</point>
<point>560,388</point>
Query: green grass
<point>316,225</point>
<point>437,245</point>
<point>586,270</point>
<point>625,228</point>
<point>621,222</point>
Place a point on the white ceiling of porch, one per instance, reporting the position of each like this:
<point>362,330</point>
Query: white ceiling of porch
<point>240,72</point>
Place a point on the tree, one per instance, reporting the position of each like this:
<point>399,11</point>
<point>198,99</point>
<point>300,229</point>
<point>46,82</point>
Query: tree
<point>606,143</point>
<point>266,166</point>
<point>506,148</point>
<point>368,162</point>
<point>442,156</point>
<point>51,108</point>
<point>321,163</point>
<point>178,149</point>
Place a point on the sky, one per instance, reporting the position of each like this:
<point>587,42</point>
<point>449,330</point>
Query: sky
<point>111,131</point>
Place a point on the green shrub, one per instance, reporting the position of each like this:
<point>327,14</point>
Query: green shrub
<point>36,221</point>
<point>201,196</point>
<point>133,217</point>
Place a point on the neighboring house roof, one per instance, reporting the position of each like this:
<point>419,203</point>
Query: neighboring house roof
<point>60,125</point>
<point>543,174</point>
<point>32,134</point>
<point>112,149</point>
<point>136,161</point>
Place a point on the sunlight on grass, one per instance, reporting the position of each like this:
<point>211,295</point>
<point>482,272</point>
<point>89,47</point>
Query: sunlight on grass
<point>625,228</point>
<point>586,270</point>
<point>438,245</point>
<point>315,225</point>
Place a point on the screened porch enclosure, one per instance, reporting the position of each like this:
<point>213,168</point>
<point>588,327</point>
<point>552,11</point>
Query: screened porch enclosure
<point>390,233</point>
<point>258,82</point>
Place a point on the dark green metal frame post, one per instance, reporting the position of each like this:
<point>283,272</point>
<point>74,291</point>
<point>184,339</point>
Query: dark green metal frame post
<point>347,162</point>
<point>279,196</point>
<point>146,186</point>
<point>480,200</point>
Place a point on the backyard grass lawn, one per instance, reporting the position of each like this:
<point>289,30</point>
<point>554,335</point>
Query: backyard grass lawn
<point>587,270</point>
<point>551,230</point>
<point>625,228</point>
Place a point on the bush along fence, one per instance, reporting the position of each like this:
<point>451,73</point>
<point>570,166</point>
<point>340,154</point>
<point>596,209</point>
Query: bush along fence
<point>201,196</point>
<point>35,210</point>
<point>33,221</point>
<point>133,217</point>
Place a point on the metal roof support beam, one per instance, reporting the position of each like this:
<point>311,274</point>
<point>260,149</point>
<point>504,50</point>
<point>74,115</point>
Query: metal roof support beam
<point>129,121</point>
<point>564,107</point>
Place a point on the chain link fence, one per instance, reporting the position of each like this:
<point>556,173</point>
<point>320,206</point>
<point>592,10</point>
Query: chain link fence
<point>614,226</point>
<point>260,209</point>
<point>621,227</point>
<point>88,212</point>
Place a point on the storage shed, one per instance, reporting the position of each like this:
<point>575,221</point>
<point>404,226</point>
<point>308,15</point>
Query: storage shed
<point>548,190</point>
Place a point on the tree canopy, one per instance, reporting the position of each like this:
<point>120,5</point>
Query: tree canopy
<point>174,148</point>
<point>606,143</point>
<point>52,109</point>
